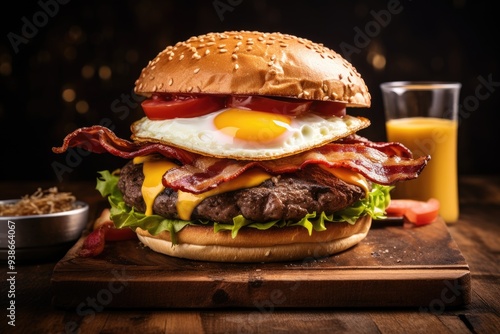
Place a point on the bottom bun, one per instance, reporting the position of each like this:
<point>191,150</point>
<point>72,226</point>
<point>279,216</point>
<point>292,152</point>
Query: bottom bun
<point>252,245</point>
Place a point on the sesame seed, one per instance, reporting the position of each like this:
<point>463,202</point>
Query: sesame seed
<point>210,43</point>
<point>236,49</point>
<point>236,66</point>
<point>234,56</point>
<point>260,38</point>
<point>181,57</point>
<point>249,42</point>
<point>154,88</point>
<point>207,51</point>
<point>196,70</point>
<point>221,46</point>
<point>273,57</point>
<point>190,89</point>
<point>239,43</point>
<point>325,98</point>
<point>160,86</point>
<point>170,82</point>
<point>222,51</point>
<point>170,58</point>
<point>271,63</point>
<point>249,48</point>
<point>195,56</point>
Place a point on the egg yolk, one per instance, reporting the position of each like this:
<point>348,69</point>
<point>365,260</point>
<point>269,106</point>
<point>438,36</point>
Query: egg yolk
<point>250,125</point>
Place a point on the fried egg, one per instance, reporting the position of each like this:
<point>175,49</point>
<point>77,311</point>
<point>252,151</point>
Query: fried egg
<point>247,134</point>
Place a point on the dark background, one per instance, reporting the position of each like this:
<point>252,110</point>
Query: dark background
<point>96,49</point>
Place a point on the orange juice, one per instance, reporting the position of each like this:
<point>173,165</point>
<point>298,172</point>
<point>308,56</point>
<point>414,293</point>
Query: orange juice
<point>437,137</point>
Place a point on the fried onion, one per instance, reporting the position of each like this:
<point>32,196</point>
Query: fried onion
<point>40,202</point>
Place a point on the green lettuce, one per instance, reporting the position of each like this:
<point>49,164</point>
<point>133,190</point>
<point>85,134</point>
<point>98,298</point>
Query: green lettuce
<point>124,216</point>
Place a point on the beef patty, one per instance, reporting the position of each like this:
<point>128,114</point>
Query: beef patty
<point>285,197</point>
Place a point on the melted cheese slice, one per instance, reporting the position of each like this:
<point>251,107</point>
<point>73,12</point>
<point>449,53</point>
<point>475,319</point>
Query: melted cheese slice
<point>154,170</point>
<point>349,176</point>
<point>153,173</point>
<point>187,202</point>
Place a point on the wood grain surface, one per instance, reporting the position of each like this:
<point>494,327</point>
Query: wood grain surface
<point>476,234</point>
<point>398,265</point>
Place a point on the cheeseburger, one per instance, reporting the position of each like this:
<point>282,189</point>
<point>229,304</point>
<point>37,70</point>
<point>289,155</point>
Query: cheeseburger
<point>246,152</point>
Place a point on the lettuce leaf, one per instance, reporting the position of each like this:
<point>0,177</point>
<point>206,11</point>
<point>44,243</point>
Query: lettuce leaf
<point>124,216</point>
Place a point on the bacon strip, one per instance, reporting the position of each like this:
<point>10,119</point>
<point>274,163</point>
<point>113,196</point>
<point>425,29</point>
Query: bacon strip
<point>99,139</point>
<point>389,148</point>
<point>374,163</point>
<point>93,244</point>
<point>382,163</point>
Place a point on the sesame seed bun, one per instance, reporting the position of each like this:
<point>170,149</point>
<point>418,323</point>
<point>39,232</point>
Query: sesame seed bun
<point>251,245</point>
<point>254,63</point>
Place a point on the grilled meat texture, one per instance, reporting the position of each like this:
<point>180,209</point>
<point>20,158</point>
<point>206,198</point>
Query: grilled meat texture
<point>286,197</point>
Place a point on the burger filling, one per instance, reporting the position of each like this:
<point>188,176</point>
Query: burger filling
<point>286,197</point>
<point>309,198</point>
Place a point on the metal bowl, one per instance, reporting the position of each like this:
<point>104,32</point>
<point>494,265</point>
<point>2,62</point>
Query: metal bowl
<point>41,236</point>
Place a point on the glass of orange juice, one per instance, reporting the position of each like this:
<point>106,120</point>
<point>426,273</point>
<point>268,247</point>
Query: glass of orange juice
<point>423,116</point>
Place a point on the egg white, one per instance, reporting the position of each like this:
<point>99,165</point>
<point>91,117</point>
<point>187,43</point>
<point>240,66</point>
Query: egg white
<point>200,135</point>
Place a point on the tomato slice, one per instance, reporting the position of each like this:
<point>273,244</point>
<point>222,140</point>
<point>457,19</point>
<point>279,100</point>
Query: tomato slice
<point>416,212</point>
<point>329,108</point>
<point>182,106</point>
<point>398,207</point>
<point>285,106</point>
<point>170,106</point>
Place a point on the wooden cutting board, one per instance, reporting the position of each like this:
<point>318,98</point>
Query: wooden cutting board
<point>393,266</point>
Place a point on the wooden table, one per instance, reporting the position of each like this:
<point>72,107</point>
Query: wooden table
<point>477,234</point>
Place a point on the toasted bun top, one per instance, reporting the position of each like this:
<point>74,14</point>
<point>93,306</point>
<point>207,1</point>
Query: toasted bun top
<point>254,63</point>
